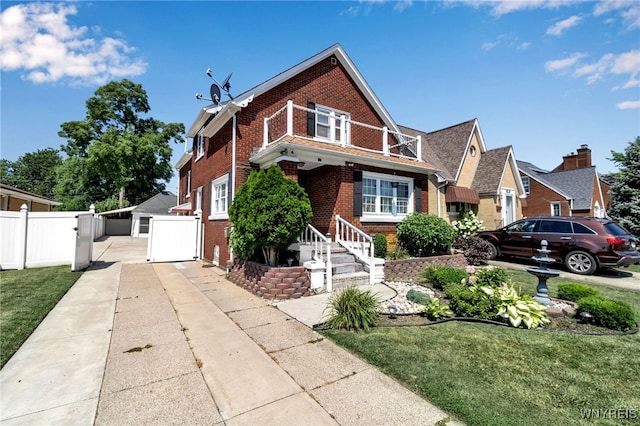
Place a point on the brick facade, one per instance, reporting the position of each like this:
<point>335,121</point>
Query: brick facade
<point>270,282</point>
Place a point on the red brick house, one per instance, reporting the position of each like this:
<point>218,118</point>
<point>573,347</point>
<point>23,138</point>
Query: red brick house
<point>573,188</point>
<point>325,127</point>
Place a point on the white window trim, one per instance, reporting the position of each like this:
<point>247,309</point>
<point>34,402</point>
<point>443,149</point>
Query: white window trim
<point>332,129</point>
<point>224,179</point>
<point>199,147</point>
<point>387,217</point>
<point>188,194</point>
<point>559,208</point>
<point>526,191</point>
<point>199,200</point>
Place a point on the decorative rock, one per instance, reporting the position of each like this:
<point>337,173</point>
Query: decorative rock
<point>400,301</point>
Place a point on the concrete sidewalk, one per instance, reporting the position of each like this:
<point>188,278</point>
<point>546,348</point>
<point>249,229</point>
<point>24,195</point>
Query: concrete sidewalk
<point>134,342</point>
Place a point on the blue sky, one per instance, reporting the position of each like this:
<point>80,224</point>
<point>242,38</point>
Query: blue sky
<point>543,76</point>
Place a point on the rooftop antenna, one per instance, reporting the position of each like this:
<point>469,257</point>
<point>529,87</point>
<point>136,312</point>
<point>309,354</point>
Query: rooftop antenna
<point>214,90</point>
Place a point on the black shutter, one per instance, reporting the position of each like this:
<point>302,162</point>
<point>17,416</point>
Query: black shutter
<point>311,119</point>
<point>357,193</point>
<point>417,184</point>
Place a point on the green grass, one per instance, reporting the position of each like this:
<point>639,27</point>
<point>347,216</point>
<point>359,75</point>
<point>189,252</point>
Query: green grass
<point>631,268</point>
<point>26,297</point>
<point>485,374</point>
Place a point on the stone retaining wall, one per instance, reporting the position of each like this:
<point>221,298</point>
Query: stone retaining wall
<point>403,269</point>
<point>270,282</point>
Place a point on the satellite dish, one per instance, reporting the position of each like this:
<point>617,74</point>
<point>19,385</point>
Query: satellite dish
<point>214,91</point>
<point>225,84</point>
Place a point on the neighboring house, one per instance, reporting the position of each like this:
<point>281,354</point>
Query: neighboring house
<point>325,127</point>
<point>13,198</point>
<point>573,188</point>
<point>159,204</point>
<point>134,220</point>
<point>470,177</point>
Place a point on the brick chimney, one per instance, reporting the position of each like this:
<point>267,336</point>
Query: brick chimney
<point>576,161</point>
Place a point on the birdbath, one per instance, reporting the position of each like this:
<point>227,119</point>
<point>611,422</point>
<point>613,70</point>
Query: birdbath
<point>543,273</point>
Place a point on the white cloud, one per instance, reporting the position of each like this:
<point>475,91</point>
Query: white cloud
<point>38,40</point>
<point>629,11</point>
<point>401,5</point>
<point>559,65</point>
<point>626,64</point>
<point>559,27</point>
<point>629,105</point>
<point>487,46</point>
<point>524,45</point>
<point>504,7</point>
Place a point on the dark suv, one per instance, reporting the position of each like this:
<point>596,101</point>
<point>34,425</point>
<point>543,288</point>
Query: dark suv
<point>583,244</point>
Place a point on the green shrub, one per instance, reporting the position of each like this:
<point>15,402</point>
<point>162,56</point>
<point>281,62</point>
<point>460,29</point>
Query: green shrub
<point>476,250</point>
<point>398,253</point>
<point>440,276</point>
<point>424,234</point>
<point>434,310</point>
<point>608,313</point>
<point>574,291</point>
<point>464,301</point>
<point>491,277</point>
<point>418,297</point>
<point>352,309</point>
<point>380,246</point>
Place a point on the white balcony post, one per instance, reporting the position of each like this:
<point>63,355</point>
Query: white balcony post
<point>419,147</point>
<point>343,130</point>
<point>332,126</point>
<point>385,140</point>
<point>289,117</point>
<point>265,138</point>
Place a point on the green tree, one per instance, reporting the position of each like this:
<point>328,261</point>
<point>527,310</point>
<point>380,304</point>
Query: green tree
<point>625,191</point>
<point>268,212</point>
<point>34,171</point>
<point>127,153</point>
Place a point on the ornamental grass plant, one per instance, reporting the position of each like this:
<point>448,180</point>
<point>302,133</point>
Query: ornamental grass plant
<point>352,309</point>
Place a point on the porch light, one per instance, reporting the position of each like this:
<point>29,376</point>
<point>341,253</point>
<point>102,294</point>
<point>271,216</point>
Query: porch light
<point>300,164</point>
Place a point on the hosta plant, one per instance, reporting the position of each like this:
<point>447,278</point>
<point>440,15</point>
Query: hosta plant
<point>519,309</point>
<point>434,310</point>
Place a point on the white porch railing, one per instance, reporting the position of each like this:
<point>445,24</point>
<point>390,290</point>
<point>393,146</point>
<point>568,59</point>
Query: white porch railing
<point>291,120</point>
<point>321,249</point>
<point>357,242</point>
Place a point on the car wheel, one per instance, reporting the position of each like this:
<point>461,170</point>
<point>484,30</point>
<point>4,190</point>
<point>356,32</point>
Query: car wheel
<point>494,251</point>
<point>581,263</point>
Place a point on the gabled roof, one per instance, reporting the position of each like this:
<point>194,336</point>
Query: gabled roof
<point>490,171</point>
<point>158,204</point>
<point>576,184</point>
<point>25,195</point>
<point>449,146</point>
<point>245,98</point>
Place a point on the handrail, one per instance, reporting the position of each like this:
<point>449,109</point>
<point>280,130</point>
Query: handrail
<point>321,246</point>
<point>282,123</point>
<point>357,242</point>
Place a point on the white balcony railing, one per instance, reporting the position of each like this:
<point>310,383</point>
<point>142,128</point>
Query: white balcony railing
<point>291,120</point>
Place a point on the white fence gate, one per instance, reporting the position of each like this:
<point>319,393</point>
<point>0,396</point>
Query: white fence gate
<point>37,239</point>
<point>174,238</point>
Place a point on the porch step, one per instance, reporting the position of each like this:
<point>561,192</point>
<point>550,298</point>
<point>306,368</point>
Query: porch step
<point>347,268</point>
<point>352,278</point>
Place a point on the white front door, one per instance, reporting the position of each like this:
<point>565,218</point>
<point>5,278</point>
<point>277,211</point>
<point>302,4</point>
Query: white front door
<point>508,206</point>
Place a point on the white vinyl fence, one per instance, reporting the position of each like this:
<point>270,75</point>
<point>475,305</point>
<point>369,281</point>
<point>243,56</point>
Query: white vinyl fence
<point>36,239</point>
<point>174,238</point>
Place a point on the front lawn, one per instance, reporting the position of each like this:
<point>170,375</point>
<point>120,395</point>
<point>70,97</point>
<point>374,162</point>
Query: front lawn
<point>26,297</point>
<point>487,375</point>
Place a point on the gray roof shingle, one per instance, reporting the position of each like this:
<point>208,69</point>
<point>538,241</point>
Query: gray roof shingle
<point>158,204</point>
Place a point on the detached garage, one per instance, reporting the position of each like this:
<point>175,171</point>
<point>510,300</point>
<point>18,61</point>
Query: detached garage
<point>134,220</point>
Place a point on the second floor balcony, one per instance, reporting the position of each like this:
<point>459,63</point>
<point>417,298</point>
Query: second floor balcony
<point>321,124</point>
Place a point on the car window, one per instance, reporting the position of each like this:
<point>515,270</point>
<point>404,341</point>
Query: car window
<point>555,226</point>
<point>522,226</point>
<point>613,228</point>
<point>579,228</point>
